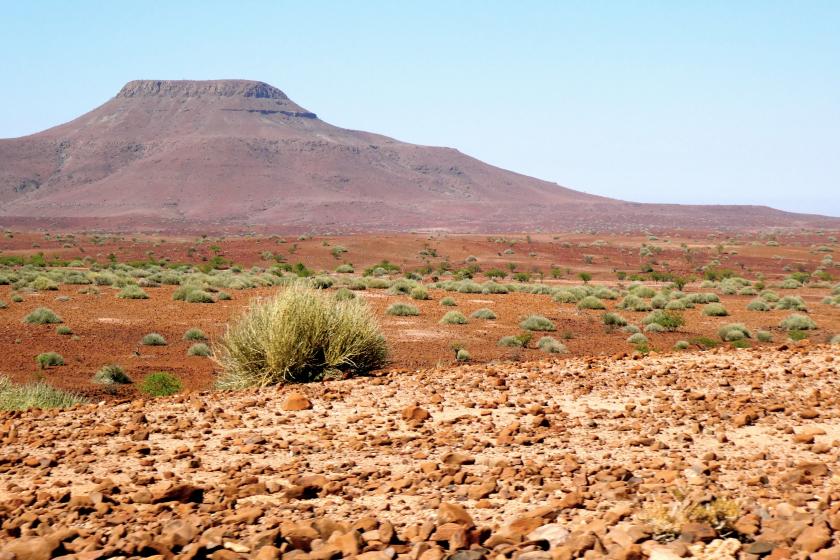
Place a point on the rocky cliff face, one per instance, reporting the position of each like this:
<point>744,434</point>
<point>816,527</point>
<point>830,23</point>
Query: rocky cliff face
<point>220,153</point>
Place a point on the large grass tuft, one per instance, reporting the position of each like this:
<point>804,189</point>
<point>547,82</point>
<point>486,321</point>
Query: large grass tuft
<point>297,336</point>
<point>34,395</point>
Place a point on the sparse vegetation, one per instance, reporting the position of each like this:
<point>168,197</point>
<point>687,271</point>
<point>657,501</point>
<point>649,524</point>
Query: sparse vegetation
<point>111,374</point>
<point>34,395</point>
<point>551,345</point>
<point>402,310</point>
<point>715,310</point>
<point>153,339</point>
<point>483,313</point>
<point>199,349</point>
<point>132,291</point>
<point>42,316</point>
<point>453,318</point>
<point>797,322</point>
<point>160,384</point>
<point>537,323</point>
<point>195,334</point>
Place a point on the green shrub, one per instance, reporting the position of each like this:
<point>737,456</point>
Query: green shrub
<point>633,302</point>
<point>703,342</point>
<point>160,384</point>
<point>111,374</point>
<point>343,294</point>
<point>483,313</point>
<point>659,301</point>
<point>42,284</point>
<point>345,269</point>
<point>3,304</point>
<point>402,310</point>
<point>199,349</point>
<point>551,345</point>
<point>132,292</point>
<point>613,320</point>
<point>681,345</point>
<point>676,305</point>
<point>17,298</point>
<point>758,305</point>
<point>223,296</point>
<point>764,336</point>
<point>199,296</point>
<point>419,293</point>
<point>637,338</point>
<point>798,323</point>
<point>643,291</point>
<point>462,355</point>
<point>715,310</point>
<point>42,316</point>
<point>448,302</point>
<point>668,320</point>
<point>741,343</point>
<point>34,395</point>
<point>153,339</point>
<point>591,302</point>
<point>733,331</point>
<point>792,303</point>
<point>63,330</point>
<point>299,335</point>
<point>632,329</point>
<point>835,340</point>
<point>769,296</point>
<point>321,282</point>
<point>655,328</point>
<point>797,335</point>
<point>48,359</point>
<point>537,323</point>
<point>195,334</point>
<point>453,318</point>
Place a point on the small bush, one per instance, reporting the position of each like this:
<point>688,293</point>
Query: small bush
<point>453,318</point>
<point>343,294</point>
<point>419,293</point>
<point>643,291</point>
<point>632,329</point>
<point>153,339</point>
<point>199,349</point>
<point>551,345</point>
<point>42,316</point>
<point>733,332</point>
<point>741,343</point>
<point>483,313</point>
<point>17,298</point>
<point>132,292</point>
<point>199,296</point>
<point>835,340</point>
<point>111,374</point>
<point>402,310</point>
<point>591,302</point>
<point>798,323</point>
<point>791,303</point>
<point>764,336</point>
<point>668,320</point>
<point>634,303</point>
<point>675,305</point>
<point>715,310</point>
<point>637,338</point>
<point>195,334</point>
<point>681,345</point>
<point>160,384</point>
<point>3,304</point>
<point>299,335</point>
<point>537,323</point>
<point>758,305</point>
<point>48,359</point>
<point>345,269</point>
<point>703,342</point>
<point>223,296</point>
<point>613,320</point>
<point>34,395</point>
<point>655,328</point>
<point>448,302</point>
<point>63,330</point>
<point>462,355</point>
<point>321,282</point>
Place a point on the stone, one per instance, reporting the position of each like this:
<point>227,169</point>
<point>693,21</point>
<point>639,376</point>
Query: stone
<point>295,401</point>
<point>454,513</point>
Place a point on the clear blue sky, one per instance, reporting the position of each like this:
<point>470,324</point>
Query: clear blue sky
<point>672,101</point>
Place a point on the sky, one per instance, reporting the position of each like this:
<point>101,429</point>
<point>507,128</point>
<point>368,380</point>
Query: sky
<point>730,102</point>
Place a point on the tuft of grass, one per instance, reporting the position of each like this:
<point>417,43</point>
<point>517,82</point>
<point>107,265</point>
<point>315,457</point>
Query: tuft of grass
<point>453,318</point>
<point>791,303</point>
<point>518,341</point>
<point>448,302</point>
<point>299,335</point>
<point>796,322</point>
<point>199,296</point>
<point>63,330</point>
<point>835,340</point>
<point>160,384</point>
<point>715,310</point>
<point>591,302</point>
<point>343,294</point>
<point>703,342</point>
<point>419,293</point>
<point>132,292</point>
<point>153,339</point>
<point>34,395</point>
<point>48,359</point>
<point>613,320</point>
<point>402,310</point>
<point>111,374</point>
<point>462,355</point>
<point>764,336</point>
<point>199,349</point>
<point>733,332</point>
<point>681,345</point>
<point>223,296</point>
<point>42,316</point>
<point>195,334</point>
<point>537,323</point>
<point>637,339</point>
<point>483,313</point>
<point>758,305</point>
<point>551,345</point>
<point>668,320</point>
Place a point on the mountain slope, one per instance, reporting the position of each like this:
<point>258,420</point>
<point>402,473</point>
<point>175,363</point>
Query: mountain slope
<point>240,153</point>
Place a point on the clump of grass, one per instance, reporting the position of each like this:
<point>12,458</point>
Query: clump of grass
<point>160,384</point>
<point>537,323</point>
<point>195,334</point>
<point>419,293</point>
<point>111,374</point>
<point>483,313</point>
<point>34,395</point>
<point>633,302</point>
<point>681,345</point>
<point>764,336</point>
<point>667,522</point>
<point>199,296</point>
<point>48,359</point>
<point>703,342</point>
<point>453,318</point>
<point>17,298</point>
<point>518,341</point>
<point>63,330</point>
<point>42,316</point>
<point>402,310</point>
<point>835,340</point>
<point>637,338</point>
<point>199,349</point>
<point>343,294</point>
<point>733,332</point>
<point>798,322</point>
<point>591,302</point>
<point>132,292</point>
<point>715,310</point>
<point>153,339</point>
<point>758,305</point>
<point>299,335</point>
<point>448,302</point>
<point>791,303</point>
<point>613,320</point>
<point>667,320</point>
<point>345,269</point>
<point>551,345</point>
<point>223,296</point>
<point>462,355</point>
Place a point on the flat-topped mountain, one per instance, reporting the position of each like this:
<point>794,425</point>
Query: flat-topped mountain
<point>238,153</point>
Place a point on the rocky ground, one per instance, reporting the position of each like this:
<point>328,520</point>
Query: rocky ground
<point>721,454</point>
